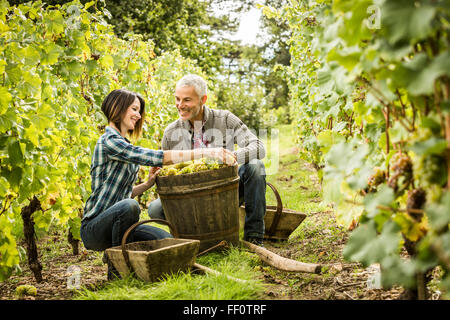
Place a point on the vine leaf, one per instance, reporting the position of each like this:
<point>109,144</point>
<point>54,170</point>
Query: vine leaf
<point>367,246</point>
<point>406,22</point>
<point>439,213</point>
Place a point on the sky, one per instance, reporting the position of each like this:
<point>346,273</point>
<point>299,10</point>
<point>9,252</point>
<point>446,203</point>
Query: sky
<point>249,27</point>
<point>249,22</point>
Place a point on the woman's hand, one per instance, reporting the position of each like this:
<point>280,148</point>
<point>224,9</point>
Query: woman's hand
<point>152,176</point>
<point>141,188</point>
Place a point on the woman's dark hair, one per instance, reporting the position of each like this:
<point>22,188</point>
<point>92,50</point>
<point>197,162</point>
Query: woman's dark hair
<point>116,104</point>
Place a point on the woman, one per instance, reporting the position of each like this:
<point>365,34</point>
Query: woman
<point>110,209</point>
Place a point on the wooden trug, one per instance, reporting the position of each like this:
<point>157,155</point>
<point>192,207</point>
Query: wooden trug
<point>151,259</point>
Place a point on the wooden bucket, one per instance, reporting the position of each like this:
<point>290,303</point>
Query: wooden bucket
<point>203,205</point>
<point>149,260</point>
<point>279,222</point>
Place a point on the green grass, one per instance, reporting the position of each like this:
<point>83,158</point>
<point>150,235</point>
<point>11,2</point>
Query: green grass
<point>296,182</point>
<point>187,285</point>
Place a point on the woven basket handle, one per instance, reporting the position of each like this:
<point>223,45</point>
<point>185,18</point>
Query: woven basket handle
<point>276,219</point>
<point>127,233</point>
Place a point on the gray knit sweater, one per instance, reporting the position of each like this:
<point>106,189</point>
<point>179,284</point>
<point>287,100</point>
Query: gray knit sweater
<point>221,129</point>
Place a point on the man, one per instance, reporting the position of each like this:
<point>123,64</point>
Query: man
<point>201,127</point>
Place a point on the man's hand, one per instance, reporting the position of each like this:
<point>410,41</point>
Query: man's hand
<point>152,176</point>
<point>221,154</point>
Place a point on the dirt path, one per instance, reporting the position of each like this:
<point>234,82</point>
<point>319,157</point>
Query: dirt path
<point>59,273</point>
<point>340,280</point>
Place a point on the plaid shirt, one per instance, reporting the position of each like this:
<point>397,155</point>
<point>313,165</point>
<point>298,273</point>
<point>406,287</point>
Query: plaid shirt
<point>114,169</point>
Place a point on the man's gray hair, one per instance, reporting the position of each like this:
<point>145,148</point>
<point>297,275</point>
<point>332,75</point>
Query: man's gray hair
<point>193,80</point>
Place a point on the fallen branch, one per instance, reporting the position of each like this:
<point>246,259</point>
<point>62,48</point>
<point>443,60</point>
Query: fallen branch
<point>217,273</point>
<point>282,263</point>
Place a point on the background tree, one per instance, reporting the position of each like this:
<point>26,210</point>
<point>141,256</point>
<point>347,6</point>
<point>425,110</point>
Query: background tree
<point>275,54</point>
<point>201,31</point>
<point>263,66</point>
<point>189,26</point>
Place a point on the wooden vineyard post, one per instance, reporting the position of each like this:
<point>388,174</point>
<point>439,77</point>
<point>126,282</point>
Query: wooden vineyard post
<point>28,231</point>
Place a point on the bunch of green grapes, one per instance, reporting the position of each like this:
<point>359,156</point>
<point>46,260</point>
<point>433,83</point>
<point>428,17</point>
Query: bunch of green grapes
<point>402,172</point>
<point>377,178</point>
<point>416,200</point>
<point>432,169</point>
<point>188,167</point>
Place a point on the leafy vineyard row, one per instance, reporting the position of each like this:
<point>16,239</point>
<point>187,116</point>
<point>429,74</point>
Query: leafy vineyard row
<point>57,65</point>
<point>370,89</point>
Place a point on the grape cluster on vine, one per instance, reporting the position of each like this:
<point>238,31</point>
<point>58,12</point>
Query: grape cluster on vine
<point>432,169</point>
<point>416,200</point>
<point>402,172</point>
<point>377,178</point>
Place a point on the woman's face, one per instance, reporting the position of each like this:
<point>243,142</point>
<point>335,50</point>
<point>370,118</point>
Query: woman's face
<point>131,117</point>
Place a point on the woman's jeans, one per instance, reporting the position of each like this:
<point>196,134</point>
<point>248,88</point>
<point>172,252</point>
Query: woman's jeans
<point>107,228</point>
<point>252,191</point>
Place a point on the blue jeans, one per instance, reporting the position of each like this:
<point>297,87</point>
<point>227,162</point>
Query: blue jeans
<point>107,228</point>
<point>252,192</point>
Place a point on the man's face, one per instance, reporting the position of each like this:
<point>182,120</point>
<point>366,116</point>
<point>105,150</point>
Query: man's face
<point>189,104</point>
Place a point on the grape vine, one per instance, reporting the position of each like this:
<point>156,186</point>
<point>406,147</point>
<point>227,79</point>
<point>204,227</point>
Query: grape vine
<point>370,84</point>
<point>57,65</point>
